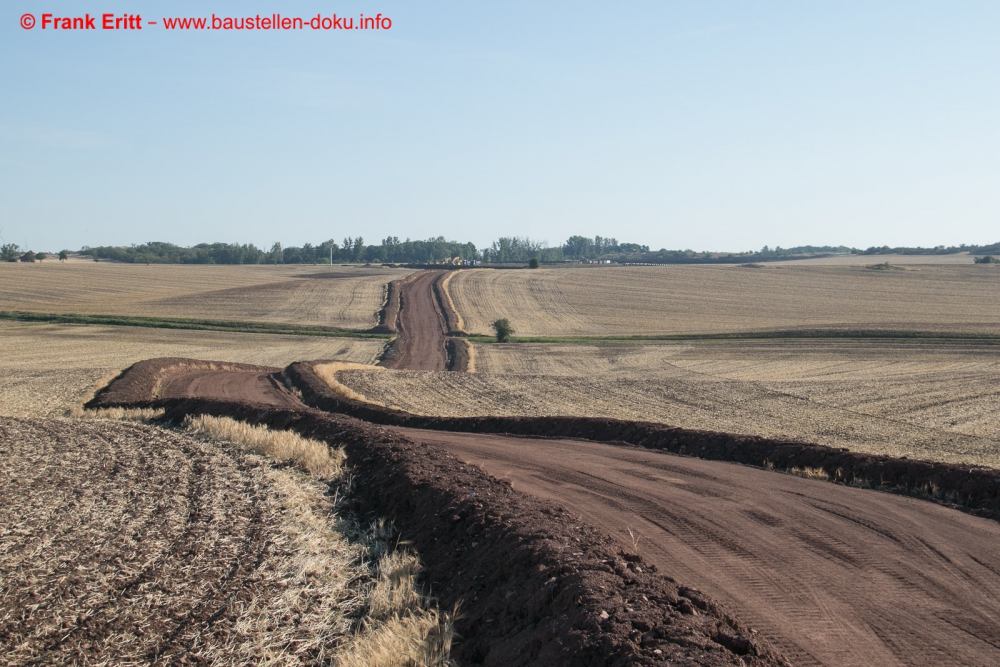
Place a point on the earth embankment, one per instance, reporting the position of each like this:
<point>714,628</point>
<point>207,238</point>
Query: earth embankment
<point>421,312</point>
<point>251,386</point>
<point>838,575</point>
<point>833,575</point>
<point>422,327</point>
<point>535,585</point>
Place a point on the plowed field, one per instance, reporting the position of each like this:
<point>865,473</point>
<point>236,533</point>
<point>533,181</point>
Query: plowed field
<point>706,299</point>
<point>124,544</point>
<point>345,297</point>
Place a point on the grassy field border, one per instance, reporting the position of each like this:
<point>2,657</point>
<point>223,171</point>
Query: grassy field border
<point>802,334</point>
<point>234,326</point>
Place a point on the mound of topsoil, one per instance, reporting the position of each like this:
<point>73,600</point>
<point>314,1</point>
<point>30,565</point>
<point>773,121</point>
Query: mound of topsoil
<point>141,382</point>
<point>969,488</point>
<point>533,585</point>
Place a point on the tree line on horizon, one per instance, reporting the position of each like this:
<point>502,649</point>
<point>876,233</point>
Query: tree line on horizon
<point>505,250</point>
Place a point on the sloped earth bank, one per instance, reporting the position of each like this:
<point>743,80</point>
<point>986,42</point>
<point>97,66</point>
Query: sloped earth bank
<point>534,585</point>
<point>772,545</point>
<point>419,310</point>
<point>832,575</point>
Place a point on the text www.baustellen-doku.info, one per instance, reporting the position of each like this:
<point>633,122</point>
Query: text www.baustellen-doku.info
<point>47,21</point>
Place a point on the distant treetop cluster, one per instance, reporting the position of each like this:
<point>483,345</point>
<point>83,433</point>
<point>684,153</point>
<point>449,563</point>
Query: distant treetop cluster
<point>505,250</point>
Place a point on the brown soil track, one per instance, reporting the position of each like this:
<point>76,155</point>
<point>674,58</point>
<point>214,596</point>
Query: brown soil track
<point>249,386</point>
<point>424,323</point>
<point>832,575</point>
<point>837,575</point>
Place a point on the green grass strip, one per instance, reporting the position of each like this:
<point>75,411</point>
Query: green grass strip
<point>793,334</point>
<point>187,323</point>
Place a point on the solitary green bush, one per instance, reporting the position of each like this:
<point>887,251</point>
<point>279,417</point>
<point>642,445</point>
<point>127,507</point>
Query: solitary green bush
<point>40,256</point>
<point>503,329</point>
<point>534,263</point>
<point>987,259</point>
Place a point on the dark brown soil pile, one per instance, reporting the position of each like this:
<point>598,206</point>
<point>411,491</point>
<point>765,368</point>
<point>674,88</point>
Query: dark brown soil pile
<point>450,316</point>
<point>534,585</point>
<point>141,381</point>
<point>390,311</point>
<point>973,489</point>
<point>459,354</point>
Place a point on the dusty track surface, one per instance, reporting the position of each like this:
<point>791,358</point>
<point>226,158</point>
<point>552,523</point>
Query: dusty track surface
<point>422,327</point>
<point>122,544</point>
<point>249,386</point>
<point>831,574</point>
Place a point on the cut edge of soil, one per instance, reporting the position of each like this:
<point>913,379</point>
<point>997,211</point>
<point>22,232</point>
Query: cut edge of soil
<point>459,355</point>
<point>969,488</point>
<point>532,584</point>
<point>142,379</point>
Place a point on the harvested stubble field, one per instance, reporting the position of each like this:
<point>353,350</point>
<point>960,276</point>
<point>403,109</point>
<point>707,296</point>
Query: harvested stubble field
<point>603,301</point>
<point>343,297</point>
<point>46,370</point>
<point>925,401</point>
<point>128,544</point>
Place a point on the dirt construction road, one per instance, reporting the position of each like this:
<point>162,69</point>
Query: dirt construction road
<point>832,575</point>
<point>422,327</point>
<point>250,386</point>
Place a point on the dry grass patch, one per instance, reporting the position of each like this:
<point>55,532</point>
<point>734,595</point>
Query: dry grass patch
<point>311,456</point>
<point>810,473</point>
<point>328,373</point>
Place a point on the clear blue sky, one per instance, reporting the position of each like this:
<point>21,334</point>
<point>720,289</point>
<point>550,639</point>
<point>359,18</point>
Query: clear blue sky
<point>705,125</point>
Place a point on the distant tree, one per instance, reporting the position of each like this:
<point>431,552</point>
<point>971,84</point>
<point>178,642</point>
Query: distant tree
<point>275,256</point>
<point>533,263</point>
<point>28,257</point>
<point>63,255</point>
<point>40,256</point>
<point>503,329</point>
<point>9,252</point>
<point>987,259</point>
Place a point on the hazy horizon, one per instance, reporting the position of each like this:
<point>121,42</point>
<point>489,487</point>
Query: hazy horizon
<point>712,126</point>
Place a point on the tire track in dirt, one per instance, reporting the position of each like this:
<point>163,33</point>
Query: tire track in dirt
<point>422,326</point>
<point>253,386</point>
<point>831,574</point>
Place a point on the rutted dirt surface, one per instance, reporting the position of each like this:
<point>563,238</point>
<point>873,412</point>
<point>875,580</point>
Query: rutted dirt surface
<point>833,575</point>
<point>123,544</point>
<point>535,585</point>
<point>251,386</point>
<point>422,327</point>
